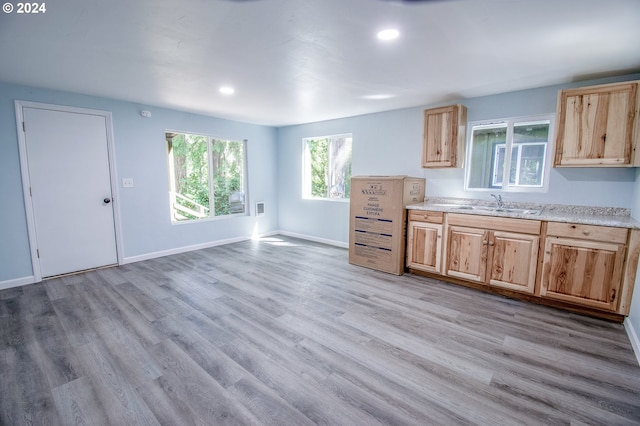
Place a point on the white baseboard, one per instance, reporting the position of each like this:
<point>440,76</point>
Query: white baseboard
<point>17,282</point>
<point>184,249</point>
<point>633,337</point>
<point>316,239</point>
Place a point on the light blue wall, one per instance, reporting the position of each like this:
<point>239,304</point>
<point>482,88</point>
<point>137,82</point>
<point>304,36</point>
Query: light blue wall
<point>389,143</point>
<point>580,186</point>
<point>140,154</point>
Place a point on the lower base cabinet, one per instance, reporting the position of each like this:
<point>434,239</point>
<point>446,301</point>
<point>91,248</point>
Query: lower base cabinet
<point>424,241</point>
<point>502,258</point>
<point>514,260</point>
<point>588,270</point>
<point>424,246</point>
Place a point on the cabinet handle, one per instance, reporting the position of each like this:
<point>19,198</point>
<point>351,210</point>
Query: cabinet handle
<point>491,243</point>
<point>484,242</point>
<point>586,232</point>
<point>613,294</point>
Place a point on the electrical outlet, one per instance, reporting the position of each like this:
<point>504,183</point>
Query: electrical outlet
<point>127,183</point>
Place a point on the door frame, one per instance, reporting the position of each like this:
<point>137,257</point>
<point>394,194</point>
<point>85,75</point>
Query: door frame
<point>26,180</point>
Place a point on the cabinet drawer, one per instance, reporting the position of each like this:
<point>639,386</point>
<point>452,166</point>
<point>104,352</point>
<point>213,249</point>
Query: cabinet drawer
<point>523,226</point>
<point>425,216</point>
<point>587,232</point>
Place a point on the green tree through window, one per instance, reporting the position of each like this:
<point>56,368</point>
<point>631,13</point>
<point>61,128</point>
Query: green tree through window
<point>327,167</point>
<point>206,176</point>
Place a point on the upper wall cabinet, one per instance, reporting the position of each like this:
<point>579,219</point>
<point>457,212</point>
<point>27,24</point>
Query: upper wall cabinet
<point>444,136</point>
<point>598,126</point>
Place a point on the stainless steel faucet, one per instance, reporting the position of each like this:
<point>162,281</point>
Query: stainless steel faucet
<point>498,200</point>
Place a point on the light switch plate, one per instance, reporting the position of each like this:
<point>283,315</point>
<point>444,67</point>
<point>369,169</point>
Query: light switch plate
<point>127,183</point>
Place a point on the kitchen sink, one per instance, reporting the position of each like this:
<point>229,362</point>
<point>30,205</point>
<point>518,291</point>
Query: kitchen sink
<point>489,208</point>
<point>507,210</point>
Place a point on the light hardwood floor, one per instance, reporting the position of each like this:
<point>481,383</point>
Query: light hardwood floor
<point>286,332</point>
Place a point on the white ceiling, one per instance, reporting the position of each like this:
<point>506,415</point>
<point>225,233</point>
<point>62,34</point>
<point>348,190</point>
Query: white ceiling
<point>296,61</point>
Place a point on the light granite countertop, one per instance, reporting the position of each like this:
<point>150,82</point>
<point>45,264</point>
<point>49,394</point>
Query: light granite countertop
<point>605,216</point>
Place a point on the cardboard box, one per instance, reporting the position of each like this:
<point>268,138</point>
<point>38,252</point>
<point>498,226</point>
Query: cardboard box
<point>377,222</point>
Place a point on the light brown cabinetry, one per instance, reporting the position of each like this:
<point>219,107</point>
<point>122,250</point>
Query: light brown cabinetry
<point>583,264</point>
<point>513,261</point>
<point>499,252</point>
<point>587,268</point>
<point>597,126</point>
<point>444,136</point>
<point>467,253</point>
<point>424,240</point>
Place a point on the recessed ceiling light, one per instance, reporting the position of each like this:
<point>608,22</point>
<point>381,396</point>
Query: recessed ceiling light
<point>379,96</point>
<point>388,34</point>
<point>227,90</point>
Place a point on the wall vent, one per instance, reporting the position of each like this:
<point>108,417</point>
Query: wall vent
<point>260,208</point>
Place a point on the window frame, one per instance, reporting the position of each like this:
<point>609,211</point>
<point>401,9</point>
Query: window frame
<point>510,123</point>
<point>306,172</point>
<point>210,179</point>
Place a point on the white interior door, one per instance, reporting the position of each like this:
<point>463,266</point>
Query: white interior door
<point>70,186</point>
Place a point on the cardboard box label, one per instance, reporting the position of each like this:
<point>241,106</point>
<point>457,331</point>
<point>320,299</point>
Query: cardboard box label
<point>416,192</point>
<point>373,255</point>
<point>376,233</point>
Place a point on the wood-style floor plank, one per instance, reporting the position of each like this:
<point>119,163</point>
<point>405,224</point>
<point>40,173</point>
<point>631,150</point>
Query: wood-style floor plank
<point>25,396</point>
<point>191,384</point>
<point>286,332</point>
<point>78,404</point>
<point>54,354</point>
<point>116,391</point>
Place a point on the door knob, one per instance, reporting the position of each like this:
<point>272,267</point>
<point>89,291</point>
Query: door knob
<point>107,200</point>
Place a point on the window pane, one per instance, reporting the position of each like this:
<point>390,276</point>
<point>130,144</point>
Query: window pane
<point>189,177</point>
<point>531,132</point>
<point>484,169</point>
<point>327,167</point>
<point>531,165</point>
<point>514,148</point>
<point>206,176</point>
<point>532,139</point>
<point>319,162</point>
<point>513,165</point>
<point>227,160</point>
<point>498,168</point>
<point>340,168</point>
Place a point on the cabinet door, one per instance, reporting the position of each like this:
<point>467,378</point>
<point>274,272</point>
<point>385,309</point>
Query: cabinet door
<point>513,260</point>
<point>588,273</point>
<point>443,137</point>
<point>424,246</point>
<point>596,126</point>
<point>467,253</point>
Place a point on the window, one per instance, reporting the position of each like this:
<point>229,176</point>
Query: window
<point>327,167</point>
<point>525,168</point>
<point>206,176</point>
